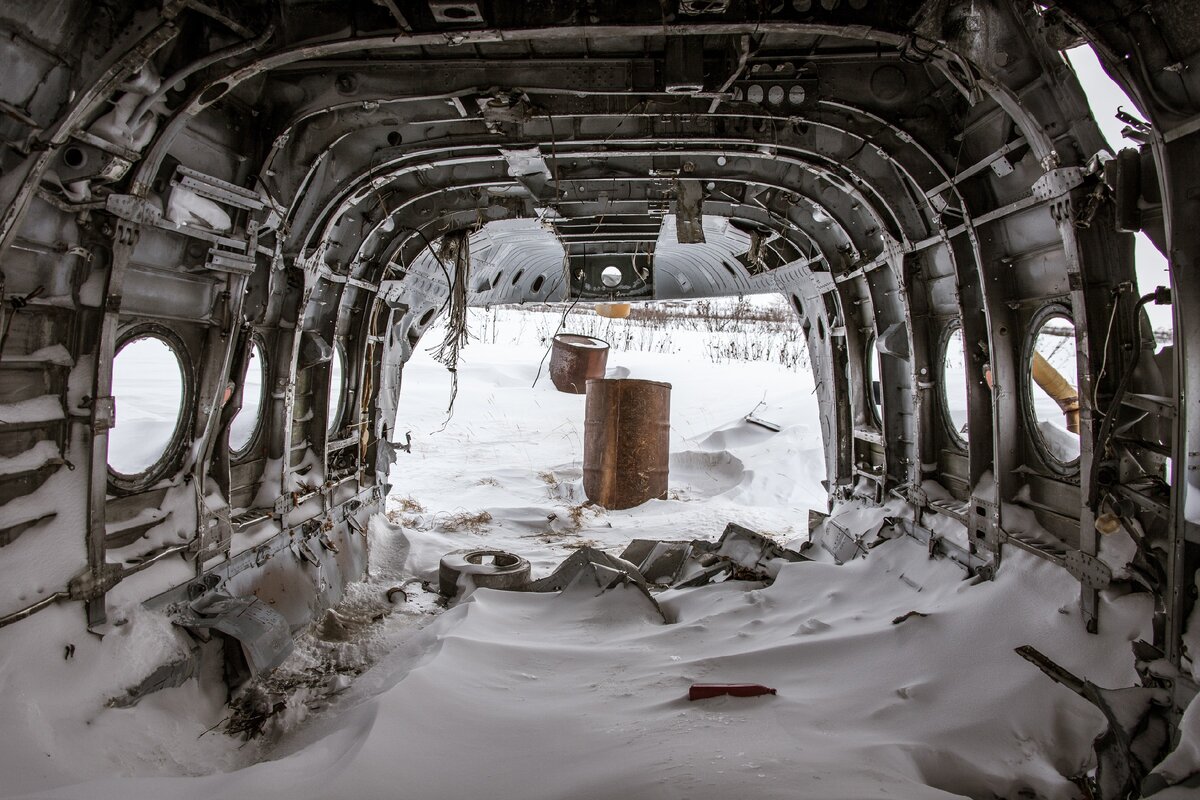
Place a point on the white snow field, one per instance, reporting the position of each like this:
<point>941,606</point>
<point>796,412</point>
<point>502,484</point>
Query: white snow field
<point>516,696</point>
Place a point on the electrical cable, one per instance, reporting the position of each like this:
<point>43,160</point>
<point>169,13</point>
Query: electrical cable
<point>1159,296</point>
<point>16,302</point>
<point>561,322</point>
<point>1104,359</point>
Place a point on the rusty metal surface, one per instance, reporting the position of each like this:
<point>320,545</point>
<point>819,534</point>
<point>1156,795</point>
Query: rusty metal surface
<point>576,359</point>
<point>626,441</point>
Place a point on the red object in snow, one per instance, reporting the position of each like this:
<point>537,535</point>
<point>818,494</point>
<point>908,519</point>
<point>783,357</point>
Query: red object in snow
<point>701,691</point>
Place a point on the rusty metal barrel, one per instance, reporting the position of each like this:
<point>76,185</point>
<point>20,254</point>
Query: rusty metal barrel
<point>575,359</point>
<point>626,441</point>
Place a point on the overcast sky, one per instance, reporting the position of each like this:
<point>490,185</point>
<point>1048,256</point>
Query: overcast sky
<point>1105,96</point>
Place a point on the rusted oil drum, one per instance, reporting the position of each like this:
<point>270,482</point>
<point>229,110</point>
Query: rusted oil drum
<point>626,441</point>
<point>575,359</point>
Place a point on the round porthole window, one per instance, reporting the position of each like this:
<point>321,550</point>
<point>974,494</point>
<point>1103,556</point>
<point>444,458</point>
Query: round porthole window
<point>610,276</point>
<point>874,383</point>
<point>1052,396</point>
<point>954,384</point>
<point>337,387</point>
<point>149,390</point>
<point>249,418</point>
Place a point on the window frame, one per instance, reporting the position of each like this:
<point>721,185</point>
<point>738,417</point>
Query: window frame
<point>1044,314</point>
<point>131,483</point>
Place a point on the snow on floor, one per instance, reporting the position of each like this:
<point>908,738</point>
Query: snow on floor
<point>510,695</point>
<point>516,453</point>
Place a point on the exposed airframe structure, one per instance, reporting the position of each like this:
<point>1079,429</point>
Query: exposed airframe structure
<point>311,178</point>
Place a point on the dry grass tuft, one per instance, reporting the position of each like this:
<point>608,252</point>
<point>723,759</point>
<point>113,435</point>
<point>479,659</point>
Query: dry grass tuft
<point>409,505</point>
<point>466,521</point>
<point>578,513</point>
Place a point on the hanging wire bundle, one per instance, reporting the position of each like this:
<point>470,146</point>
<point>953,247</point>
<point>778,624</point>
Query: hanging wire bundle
<point>455,248</point>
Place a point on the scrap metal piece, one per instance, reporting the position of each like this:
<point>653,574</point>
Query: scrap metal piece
<point>763,423</point>
<point>595,573</point>
<point>841,543</point>
<point>263,635</point>
<point>586,559</point>
<point>754,552</point>
<point>1137,736</point>
<point>740,554</point>
<point>165,676</point>
<point>658,561</point>
<point>707,571</point>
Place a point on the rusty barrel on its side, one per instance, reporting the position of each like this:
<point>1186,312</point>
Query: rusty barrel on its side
<point>626,441</point>
<point>575,359</point>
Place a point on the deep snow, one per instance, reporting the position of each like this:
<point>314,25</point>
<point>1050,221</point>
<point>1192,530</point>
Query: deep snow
<point>583,696</point>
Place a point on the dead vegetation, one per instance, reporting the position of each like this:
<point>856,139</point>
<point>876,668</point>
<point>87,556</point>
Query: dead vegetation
<point>411,514</point>
<point>733,331</point>
<point>578,513</point>
<point>466,521</point>
<point>410,505</point>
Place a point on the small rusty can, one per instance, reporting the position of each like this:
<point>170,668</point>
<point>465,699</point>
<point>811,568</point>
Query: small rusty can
<point>575,359</point>
<point>626,441</point>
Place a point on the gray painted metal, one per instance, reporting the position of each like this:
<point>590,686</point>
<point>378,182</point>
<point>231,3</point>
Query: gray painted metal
<point>893,172</point>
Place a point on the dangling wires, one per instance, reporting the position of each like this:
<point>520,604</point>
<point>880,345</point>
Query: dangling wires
<point>1160,296</point>
<point>457,246</point>
<point>16,303</point>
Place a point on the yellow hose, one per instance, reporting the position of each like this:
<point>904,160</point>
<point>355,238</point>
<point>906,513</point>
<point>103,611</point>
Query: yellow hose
<point>1062,392</point>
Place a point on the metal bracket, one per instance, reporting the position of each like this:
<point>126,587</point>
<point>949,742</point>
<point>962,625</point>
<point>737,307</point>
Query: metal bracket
<point>1088,570</point>
<point>104,413</point>
<point>1057,182</point>
<point>225,261</point>
<point>132,208</point>
<point>89,585</point>
<point>216,189</point>
<point>284,503</point>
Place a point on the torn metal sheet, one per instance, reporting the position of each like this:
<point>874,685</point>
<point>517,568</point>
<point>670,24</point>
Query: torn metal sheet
<point>706,569</point>
<point>740,553</point>
<point>263,634</point>
<point>525,162</point>
<point>1137,736</point>
<point>658,561</point>
<point>593,573</point>
<point>165,676</point>
<point>754,552</point>
<point>585,558</point>
<point>844,543</point>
